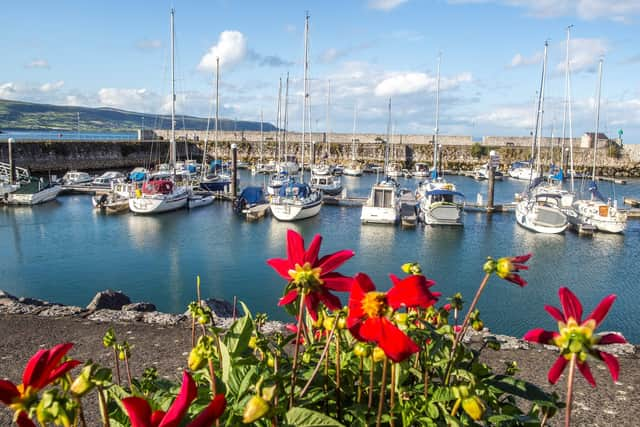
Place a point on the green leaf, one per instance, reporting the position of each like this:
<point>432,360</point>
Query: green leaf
<point>442,394</point>
<point>225,363</point>
<point>518,388</point>
<point>237,338</point>
<point>302,417</point>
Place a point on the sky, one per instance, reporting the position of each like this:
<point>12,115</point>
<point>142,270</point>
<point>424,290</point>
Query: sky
<point>361,54</point>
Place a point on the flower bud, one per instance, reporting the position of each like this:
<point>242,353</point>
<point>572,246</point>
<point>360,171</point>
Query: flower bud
<point>109,338</point>
<point>474,407</point>
<point>342,323</point>
<point>328,322</point>
<point>401,318</point>
<point>411,268</point>
<point>82,384</point>
<point>196,361</point>
<point>378,354</point>
<point>255,409</point>
<point>252,342</point>
<point>362,350</point>
<point>489,266</point>
<point>477,325</point>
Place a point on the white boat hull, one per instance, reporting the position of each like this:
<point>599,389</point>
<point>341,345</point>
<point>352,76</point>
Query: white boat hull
<point>157,203</point>
<point>42,196</point>
<point>283,210</point>
<point>199,201</point>
<point>377,215</point>
<point>441,214</point>
<point>600,215</point>
<point>541,219</point>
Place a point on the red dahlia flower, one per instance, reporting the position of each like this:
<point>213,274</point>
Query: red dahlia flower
<point>43,368</point>
<point>141,416</point>
<point>577,337</point>
<point>369,312</point>
<point>310,275</point>
<point>507,268</point>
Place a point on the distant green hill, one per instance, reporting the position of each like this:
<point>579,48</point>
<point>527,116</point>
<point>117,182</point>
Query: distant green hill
<point>18,115</point>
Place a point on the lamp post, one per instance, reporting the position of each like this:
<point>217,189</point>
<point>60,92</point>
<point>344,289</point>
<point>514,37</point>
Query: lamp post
<point>11,166</point>
<point>234,170</point>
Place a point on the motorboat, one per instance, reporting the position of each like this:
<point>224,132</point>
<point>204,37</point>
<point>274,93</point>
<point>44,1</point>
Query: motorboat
<point>251,203</point>
<point>382,205</point>
<point>34,192</point>
<point>158,195</point>
<point>107,179</point>
<point>75,178</point>
<point>352,169</point>
<point>421,170</point>
<point>523,170</point>
<point>439,203</point>
<point>482,173</point>
<point>199,200</point>
<point>541,212</point>
<point>328,184</point>
<point>276,181</point>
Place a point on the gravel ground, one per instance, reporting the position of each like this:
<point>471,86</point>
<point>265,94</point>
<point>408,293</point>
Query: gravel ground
<point>166,347</point>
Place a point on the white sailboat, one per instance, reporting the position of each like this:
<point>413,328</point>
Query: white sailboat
<point>598,211</point>
<point>353,168</point>
<point>382,205</point>
<point>322,178</point>
<point>540,210</point>
<point>296,201</point>
<point>162,195</point>
<point>439,202</point>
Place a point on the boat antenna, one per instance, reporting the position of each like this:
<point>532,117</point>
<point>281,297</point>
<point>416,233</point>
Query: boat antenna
<point>570,113</point>
<point>172,140</point>
<point>206,138</point>
<point>286,119</point>
<point>567,108</point>
<point>539,109</point>
<point>595,136</point>
<point>353,135</point>
<point>328,146</point>
<point>386,146</point>
<point>278,122</point>
<point>215,133</point>
<point>261,135</point>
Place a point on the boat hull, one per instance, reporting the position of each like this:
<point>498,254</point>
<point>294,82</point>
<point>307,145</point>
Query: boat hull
<point>284,211</point>
<point>377,215</point>
<point>601,216</point>
<point>45,195</point>
<point>158,203</point>
<point>199,201</point>
<point>541,219</point>
<point>442,214</point>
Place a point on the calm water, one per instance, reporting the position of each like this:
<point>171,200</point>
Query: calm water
<point>21,135</point>
<point>65,252</point>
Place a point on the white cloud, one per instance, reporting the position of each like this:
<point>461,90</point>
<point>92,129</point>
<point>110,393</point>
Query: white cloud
<point>7,90</point>
<point>129,99</point>
<point>149,44</point>
<point>519,60</point>
<point>406,83</point>
<point>618,10</point>
<point>52,86</point>
<point>38,63</point>
<point>385,4</point>
<point>231,49</point>
<point>516,117</point>
<point>584,54</point>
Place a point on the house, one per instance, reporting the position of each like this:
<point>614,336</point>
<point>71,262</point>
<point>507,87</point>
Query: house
<point>586,141</point>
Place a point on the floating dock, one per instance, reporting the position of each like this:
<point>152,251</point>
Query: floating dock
<point>630,201</point>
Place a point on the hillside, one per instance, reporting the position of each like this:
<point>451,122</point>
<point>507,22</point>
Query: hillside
<point>18,115</point>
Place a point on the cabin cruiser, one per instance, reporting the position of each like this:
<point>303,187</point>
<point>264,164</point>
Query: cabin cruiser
<point>382,205</point>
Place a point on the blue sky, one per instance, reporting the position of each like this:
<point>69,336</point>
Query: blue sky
<point>116,54</point>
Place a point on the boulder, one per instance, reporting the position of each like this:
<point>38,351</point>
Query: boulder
<point>6,298</point>
<point>139,306</point>
<point>109,300</point>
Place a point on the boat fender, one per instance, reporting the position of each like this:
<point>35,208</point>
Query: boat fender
<point>138,193</point>
<point>103,200</point>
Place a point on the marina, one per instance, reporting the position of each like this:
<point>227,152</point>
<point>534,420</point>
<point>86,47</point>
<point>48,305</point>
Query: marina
<point>69,244</point>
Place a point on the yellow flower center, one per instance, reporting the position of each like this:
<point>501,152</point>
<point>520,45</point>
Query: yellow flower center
<point>374,304</point>
<point>504,267</point>
<point>575,338</point>
<point>21,403</point>
<point>306,276</point>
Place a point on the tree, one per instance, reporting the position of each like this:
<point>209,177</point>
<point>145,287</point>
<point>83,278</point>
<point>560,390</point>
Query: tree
<point>477,150</point>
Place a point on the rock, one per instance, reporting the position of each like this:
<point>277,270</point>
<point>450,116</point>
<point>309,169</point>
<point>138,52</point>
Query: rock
<point>33,301</point>
<point>106,315</point>
<point>139,306</point>
<point>57,310</point>
<point>6,298</point>
<point>220,308</point>
<point>15,307</point>
<point>109,299</point>
<point>164,319</point>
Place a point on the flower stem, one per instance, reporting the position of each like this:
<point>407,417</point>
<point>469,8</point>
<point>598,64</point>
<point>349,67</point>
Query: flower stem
<point>371,371</point>
<point>465,325</point>
<point>213,378</point>
<point>126,364</point>
<point>338,398</point>
<point>383,388</point>
<point>117,363</point>
<point>193,332</point>
<point>572,372</point>
<point>102,402</point>
<point>294,366</point>
<point>360,374</point>
<point>322,356</point>
<point>392,398</point>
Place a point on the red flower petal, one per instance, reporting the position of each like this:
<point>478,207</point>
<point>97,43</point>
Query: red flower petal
<point>138,410</point>
<point>295,248</point>
<point>600,312</point>
<point>24,420</point>
<point>570,304</point>
<point>555,313</point>
<point>179,407</point>
<point>612,363</point>
<point>515,278</point>
<point>394,279</point>
<point>539,335</point>
<point>156,418</point>
<point>331,301</point>
<point>361,285</point>
<point>556,369</point>
<point>583,367</point>
<point>330,262</point>
<point>311,256</point>
<point>611,339</point>
<point>281,266</point>
<point>521,258</point>
<point>8,392</point>
<point>337,282</point>
<point>395,343</point>
<point>288,298</point>
<point>211,413</point>
<point>311,301</point>
<point>61,370</point>
<point>35,367</point>
<point>410,292</point>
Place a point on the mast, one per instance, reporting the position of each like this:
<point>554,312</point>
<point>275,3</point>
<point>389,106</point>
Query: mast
<point>206,141</point>
<point>286,119</point>
<point>305,90</point>
<point>278,124</point>
<point>538,128</point>
<point>328,146</point>
<point>353,135</point>
<point>436,130</point>
<point>215,133</point>
<point>567,106</point>
<point>595,136</point>
<point>172,140</point>
<point>386,147</point>
<point>261,136</point>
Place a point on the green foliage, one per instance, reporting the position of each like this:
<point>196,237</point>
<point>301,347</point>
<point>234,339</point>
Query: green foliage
<point>478,150</point>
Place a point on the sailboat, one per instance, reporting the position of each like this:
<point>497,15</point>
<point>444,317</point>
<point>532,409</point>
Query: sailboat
<point>297,200</point>
<point>439,202</point>
<point>353,168</point>
<point>598,211</point>
<point>162,194</point>
<point>280,175</point>
<point>382,205</point>
<point>322,178</point>
<point>540,210</point>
